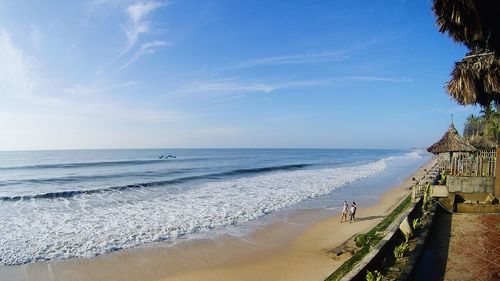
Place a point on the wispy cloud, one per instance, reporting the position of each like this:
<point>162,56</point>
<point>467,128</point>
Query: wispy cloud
<point>137,25</point>
<point>21,82</point>
<point>239,87</point>
<point>306,58</point>
<point>17,70</point>
<point>85,90</point>
<point>147,48</point>
<point>223,86</point>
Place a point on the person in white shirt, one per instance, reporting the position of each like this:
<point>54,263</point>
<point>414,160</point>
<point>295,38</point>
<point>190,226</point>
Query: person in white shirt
<point>345,210</point>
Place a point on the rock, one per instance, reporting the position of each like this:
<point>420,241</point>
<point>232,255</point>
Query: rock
<point>490,199</point>
<point>405,227</point>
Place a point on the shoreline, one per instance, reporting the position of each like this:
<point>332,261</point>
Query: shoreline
<point>286,250</point>
<point>306,258</point>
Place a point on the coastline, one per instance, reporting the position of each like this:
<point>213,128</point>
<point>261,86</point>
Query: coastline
<point>305,258</point>
<point>292,250</point>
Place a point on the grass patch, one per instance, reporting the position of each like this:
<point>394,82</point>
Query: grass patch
<point>370,238</point>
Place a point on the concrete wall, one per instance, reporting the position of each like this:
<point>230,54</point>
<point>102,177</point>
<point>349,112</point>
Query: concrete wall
<point>497,174</point>
<point>477,208</point>
<point>470,184</point>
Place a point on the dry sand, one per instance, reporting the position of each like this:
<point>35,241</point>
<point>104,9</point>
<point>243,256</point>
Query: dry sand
<point>281,251</point>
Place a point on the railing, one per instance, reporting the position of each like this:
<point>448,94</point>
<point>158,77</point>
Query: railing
<point>418,191</point>
<point>478,164</point>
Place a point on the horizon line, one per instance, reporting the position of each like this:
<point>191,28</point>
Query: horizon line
<point>199,148</point>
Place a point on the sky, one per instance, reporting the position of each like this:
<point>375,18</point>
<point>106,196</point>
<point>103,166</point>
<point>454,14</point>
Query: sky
<point>235,74</point>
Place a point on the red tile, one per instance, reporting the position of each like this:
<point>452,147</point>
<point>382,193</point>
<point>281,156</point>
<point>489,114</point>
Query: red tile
<point>471,277</point>
<point>478,263</point>
<point>491,246</point>
<point>481,275</point>
<point>454,275</point>
<point>493,268</point>
<point>490,256</point>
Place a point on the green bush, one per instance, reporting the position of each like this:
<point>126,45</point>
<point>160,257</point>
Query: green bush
<point>376,276</point>
<point>361,240</point>
<point>427,195</point>
<point>400,250</point>
<point>442,181</point>
<point>417,223</point>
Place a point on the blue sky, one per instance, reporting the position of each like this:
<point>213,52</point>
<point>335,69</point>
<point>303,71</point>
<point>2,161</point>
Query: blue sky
<point>133,74</point>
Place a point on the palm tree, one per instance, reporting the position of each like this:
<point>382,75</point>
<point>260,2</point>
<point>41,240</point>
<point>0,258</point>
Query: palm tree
<point>474,126</point>
<point>476,78</point>
<point>493,125</point>
<point>486,112</point>
<point>493,129</point>
<point>473,23</point>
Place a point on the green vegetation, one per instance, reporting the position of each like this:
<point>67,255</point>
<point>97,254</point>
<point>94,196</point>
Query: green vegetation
<point>360,240</point>
<point>376,276</point>
<point>426,200</point>
<point>400,250</point>
<point>486,125</point>
<point>442,180</point>
<point>417,223</point>
<point>393,215</point>
<point>367,240</point>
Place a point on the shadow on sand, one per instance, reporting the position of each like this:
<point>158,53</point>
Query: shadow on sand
<point>369,218</point>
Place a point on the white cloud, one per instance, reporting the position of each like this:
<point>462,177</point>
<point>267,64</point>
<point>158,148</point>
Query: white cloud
<point>139,10</point>
<point>293,59</point>
<point>223,86</point>
<point>137,25</point>
<point>147,48</point>
<point>137,13</point>
<point>17,70</point>
<point>86,90</point>
<point>239,87</point>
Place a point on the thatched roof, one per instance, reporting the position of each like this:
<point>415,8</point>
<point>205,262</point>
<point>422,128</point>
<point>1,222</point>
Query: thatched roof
<point>476,80</point>
<point>482,143</point>
<point>471,22</point>
<point>451,142</point>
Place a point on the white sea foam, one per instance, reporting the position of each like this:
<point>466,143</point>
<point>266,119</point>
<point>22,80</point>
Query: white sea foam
<point>89,225</point>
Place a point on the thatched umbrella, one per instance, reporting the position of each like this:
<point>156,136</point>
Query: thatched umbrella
<point>482,143</point>
<point>451,142</point>
<point>476,80</point>
<point>471,22</point>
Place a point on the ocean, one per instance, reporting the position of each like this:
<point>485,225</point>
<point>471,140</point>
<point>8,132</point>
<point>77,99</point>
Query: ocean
<point>83,203</point>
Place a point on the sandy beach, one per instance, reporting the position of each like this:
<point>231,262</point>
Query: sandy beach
<point>159,140</point>
<point>291,250</point>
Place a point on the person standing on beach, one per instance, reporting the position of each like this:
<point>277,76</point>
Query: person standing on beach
<point>353,212</point>
<point>345,210</point>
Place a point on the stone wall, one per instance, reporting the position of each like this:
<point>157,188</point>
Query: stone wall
<point>477,208</point>
<point>470,184</point>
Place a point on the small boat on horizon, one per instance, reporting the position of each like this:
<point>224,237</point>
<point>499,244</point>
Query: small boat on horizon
<point>169,156</point>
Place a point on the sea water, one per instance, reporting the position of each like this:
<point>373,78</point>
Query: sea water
<point>83,203</point>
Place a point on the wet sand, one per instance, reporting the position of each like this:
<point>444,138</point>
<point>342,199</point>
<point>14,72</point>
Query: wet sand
<point>288,250</point>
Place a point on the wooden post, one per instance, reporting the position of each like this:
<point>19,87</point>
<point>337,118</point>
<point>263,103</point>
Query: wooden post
<point>497,173</point>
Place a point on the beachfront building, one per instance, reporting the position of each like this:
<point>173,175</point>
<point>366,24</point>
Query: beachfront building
<point>451,142</point>
<point>468,174</point>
